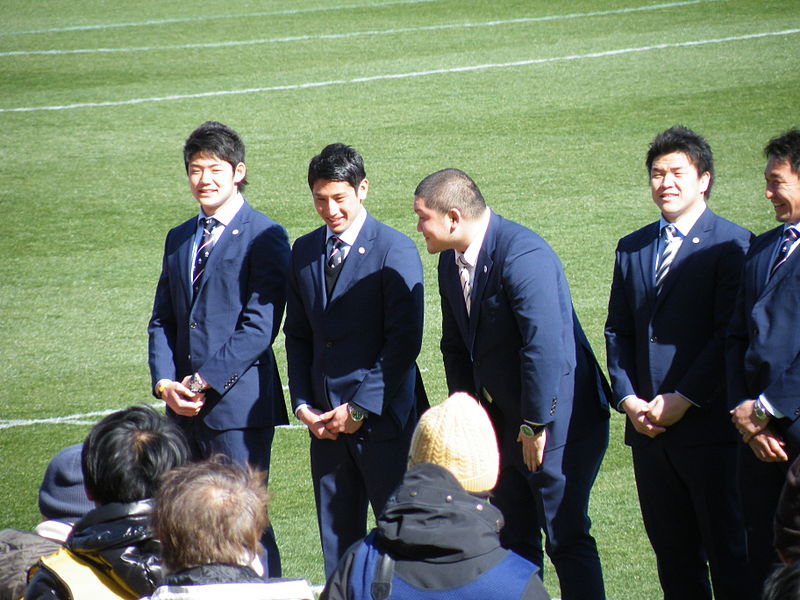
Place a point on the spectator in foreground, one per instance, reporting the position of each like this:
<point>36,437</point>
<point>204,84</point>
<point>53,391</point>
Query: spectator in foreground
<point>783,584</point>
<point>62,502</point>
<point>209,517</point>
<point>438,536</point>
<point>112,552</point>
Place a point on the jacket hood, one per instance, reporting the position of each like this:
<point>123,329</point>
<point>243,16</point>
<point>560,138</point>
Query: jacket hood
<point>431,518</point>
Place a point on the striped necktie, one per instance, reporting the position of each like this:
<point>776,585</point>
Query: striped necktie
<point>203,251</point>
<point>671,243</point>
<point>790,237</point>
<point>466,284</point>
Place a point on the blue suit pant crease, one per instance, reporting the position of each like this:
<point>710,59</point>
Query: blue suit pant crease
<point>693,518</point>
<point>251,445</point>
<point>559,491</point>
<point>350,474</point>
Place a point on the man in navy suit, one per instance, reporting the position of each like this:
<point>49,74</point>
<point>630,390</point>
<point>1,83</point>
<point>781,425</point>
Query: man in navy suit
<point>511,338</point>
<point>672,294</point>
<point>353,332</point>
<point>217,309</point>
<point>764,354</point>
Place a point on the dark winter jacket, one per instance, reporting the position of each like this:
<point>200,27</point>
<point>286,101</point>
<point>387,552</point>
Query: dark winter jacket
<point>114,540</point>
<point>440,538</point>
<point>228,581</point>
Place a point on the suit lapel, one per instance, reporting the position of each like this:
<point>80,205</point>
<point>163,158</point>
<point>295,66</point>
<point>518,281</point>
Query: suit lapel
<point>765,260</point>
<point>647,261</point>
<point>483,269</point>
<point>184,257</point>
<point>229,241</point>
<point>696,239</point>
<point>358,252</point>
<point>453,292</point>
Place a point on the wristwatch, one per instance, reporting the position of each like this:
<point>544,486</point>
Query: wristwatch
<point>196,384</point>
<point>356,414</point>
<point>759,410</point>
<point>530,431</point>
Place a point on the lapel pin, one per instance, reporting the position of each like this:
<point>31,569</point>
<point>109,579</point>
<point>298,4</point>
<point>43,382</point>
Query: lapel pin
<point>695,240</point>
<point>361,250</point>
<point>235,232</point>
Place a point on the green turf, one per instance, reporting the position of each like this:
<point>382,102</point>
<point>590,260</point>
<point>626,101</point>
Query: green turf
<point>88,193</point>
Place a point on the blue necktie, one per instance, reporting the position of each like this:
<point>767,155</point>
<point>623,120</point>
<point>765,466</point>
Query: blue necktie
<point>203,251</point>
<point>790,236</point>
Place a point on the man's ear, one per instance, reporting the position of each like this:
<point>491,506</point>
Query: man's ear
<point>239,172</point>
<point>363,189</point>
<point>455,218</point>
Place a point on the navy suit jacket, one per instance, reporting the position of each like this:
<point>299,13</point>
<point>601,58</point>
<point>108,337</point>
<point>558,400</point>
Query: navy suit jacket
<point>675,340</point>
<point>360,345</point>
<point>227,332</point>
<point>763,351</point>
<point>521,345</point>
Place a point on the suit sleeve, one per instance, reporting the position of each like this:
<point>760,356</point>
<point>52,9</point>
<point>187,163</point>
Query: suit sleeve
<point>457,362</point>
<point>403,311</point>
<point>620,337</point>
<point>162,329</point>
<point>708,369</point>
<point>299,343</point>
<point>262,312</point>
<point>535,286</point>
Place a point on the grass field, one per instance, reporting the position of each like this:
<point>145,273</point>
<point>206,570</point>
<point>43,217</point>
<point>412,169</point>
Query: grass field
<point>550,106</point>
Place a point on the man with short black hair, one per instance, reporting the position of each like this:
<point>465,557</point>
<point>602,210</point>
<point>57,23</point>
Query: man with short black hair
<point>510,337</point>
<point>353,332</point>
<point>764,354</point>
<point>217,309</point>
<point>672,293</point>
<point>111,552</point>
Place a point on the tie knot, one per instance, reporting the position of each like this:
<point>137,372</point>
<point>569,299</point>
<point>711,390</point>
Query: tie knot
<point>791,234</point>
<point>209,223</point>
<point>670,232</point>
<point>462,262</point>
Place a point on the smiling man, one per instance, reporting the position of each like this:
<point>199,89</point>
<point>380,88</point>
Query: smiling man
<point>673,290</point>
<point>217,309</point>
<point>353,332</point>
<point>764,354</point>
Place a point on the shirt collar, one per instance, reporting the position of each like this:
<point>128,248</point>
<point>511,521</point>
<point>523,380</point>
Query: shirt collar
<point>227,211</point>
<point>685,222</point>
<point>349,235</point>
<point>474,249</point>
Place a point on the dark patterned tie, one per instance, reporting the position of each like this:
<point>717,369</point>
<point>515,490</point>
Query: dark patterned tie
<point>203,251</point>
<point>790,237</point>
<point>668,252</point>
<point>336,253</point>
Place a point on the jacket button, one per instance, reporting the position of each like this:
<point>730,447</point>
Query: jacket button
<point>654,339</point>
<point>329,344</point>
<point>193,325</point>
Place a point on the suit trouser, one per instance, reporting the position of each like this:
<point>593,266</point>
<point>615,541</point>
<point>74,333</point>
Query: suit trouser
<point>693,518</point>
<point>348,474</point>
<point>252,445</point>
<point>760,485</point>
<point>555,499</point>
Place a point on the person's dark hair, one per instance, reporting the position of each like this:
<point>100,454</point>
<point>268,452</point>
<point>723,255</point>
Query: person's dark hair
<point>785,147</point>
<point>451,188</point>
<point>126,454</point>
<point>682,139</point>
<point>783,583</point>
<point>218,140</point>
<point>210,512</point>
<point>337,162</point>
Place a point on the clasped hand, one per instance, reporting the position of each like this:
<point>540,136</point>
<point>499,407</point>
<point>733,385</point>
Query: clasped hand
<point>652,418</point>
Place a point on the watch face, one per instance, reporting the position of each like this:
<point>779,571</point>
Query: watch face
<point>526,430</point>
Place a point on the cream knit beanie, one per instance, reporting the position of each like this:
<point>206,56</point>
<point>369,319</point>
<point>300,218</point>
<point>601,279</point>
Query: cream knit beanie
<point>458,436</point>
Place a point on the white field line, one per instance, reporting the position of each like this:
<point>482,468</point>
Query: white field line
<point>89,418</point>
<point>408,75</point>
<point>152,23</point>
<point>353,34</point>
